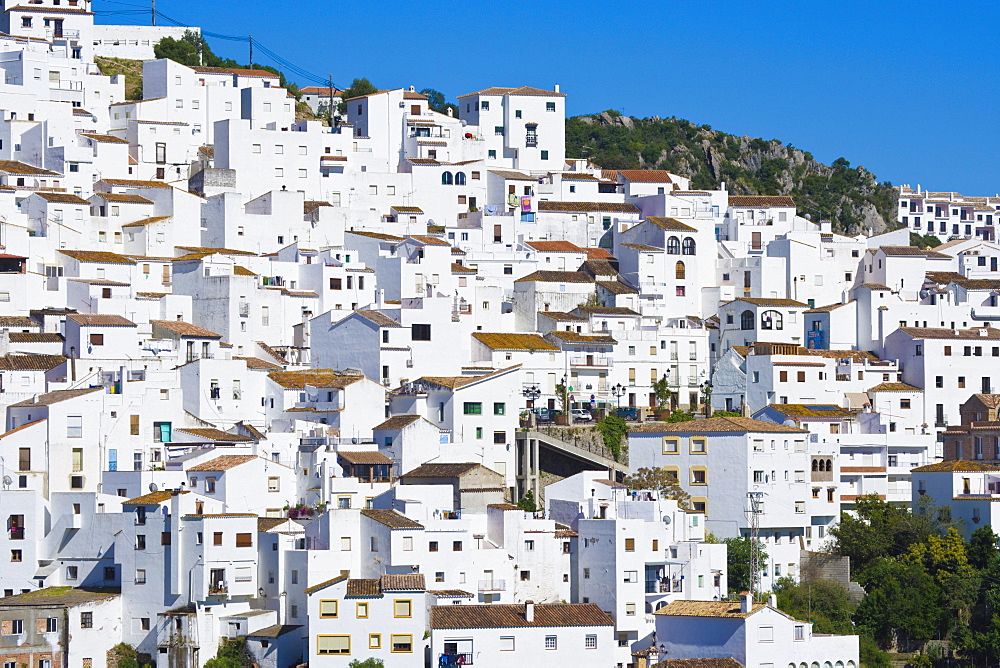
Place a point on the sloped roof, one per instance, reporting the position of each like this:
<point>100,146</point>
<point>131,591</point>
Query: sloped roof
<point>152,498</point>
<point>956,465</point>
<point>587,207</point>
<point>56,396</point>
<point>123,198</point>
<point>768,301</point>
<point>726,662</point>
<point>557,277</point>
<point>736,425</point>
<point>442,470</point>
<point>505,341</point>
<point>363,457</point>
<point>62,198</point>
<point>397,422</point>
<point>554,246</point>
<point>62,596</point>
<point>512,615</point>
<point>224,462</point>
<point>257,364</point>
<point>707,609</point>
<point>573,337</point>
<point>403,582</point>
<point>760,201</point>
<point>894,387</point>
<point>17,167</point>
<point>30,362</point>
<point>100,320</point>
<point>145,222</point>
<point>670,224</point>
<point>511,175</point>
<point>944,333</point>
<point>212,434</point>
<point>520,90</point>
<point>325,378</point>
<point>185,329</point>
<point>391,518</point>
<point>826,411</point>
<point>646,175</point>
<point>102,257</point>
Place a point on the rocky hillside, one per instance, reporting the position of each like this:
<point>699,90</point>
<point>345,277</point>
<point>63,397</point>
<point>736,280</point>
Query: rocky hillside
<point>849,196</point>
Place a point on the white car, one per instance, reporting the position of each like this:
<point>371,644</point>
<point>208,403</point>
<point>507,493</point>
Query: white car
<point>581,415</point>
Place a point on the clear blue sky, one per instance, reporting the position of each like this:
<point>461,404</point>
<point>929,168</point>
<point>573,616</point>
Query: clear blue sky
<point>909,90</point>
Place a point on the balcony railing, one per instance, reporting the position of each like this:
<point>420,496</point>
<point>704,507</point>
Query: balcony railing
<point>590,360</point>
<point>218,589</point>
<point>455,659</point>
<point>531,140</point>
<point>17,533</point>
<point>492,585</point>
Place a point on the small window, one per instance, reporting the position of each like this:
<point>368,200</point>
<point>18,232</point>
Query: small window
<point>333,644</point>
<point>402,642</point>
<point>329,608</point>
<point>402,608</point>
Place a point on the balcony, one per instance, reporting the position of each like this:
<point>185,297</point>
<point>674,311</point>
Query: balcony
<point>218,589</point>
<point>590,360</point>
<point>17,533</point>
<point>455,659</point>
<point>531,140</point>
<point>244,309</point>
<point>941,421</point>
<point>492,585</point>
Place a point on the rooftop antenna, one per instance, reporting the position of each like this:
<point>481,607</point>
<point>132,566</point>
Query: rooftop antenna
<point>754,512</point>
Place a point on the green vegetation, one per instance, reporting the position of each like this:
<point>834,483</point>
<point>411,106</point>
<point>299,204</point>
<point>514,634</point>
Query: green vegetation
<point>370,662</point>
<point>661,480</point>
<point>357,88</point>
<point>436,101</point>
<point>613,429</point>
<point>131,69</point>
<point>193,50</point>
<point>926,587</point>
<point>924,241</point>
<point>851,197</point>
<point>680,416</point>
<point>661,389</point>
<point>738,562</point>
<point>231,654</point>
<point>726,414</point>
<point>527,502</point>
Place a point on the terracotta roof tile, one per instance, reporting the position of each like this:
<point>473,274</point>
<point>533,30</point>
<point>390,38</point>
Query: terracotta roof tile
<point>16,167</point>
<point>257,364</point>
<point>100,320</point>
<point>62,198</point>
<point>325,378</point>
<point>397,422</point>
<point>511,615</point>
<point>391,519</point>
<point>442,470</point>
<point>521,90</point>
<point>223,463</point>
<point>363,457</point>
<point>573,337</point>
<point>554,246</point>
<point>403,582</point>
<point>645,175</point>
<point>557,277</point>
<point>587,207</point>
<point>101,257</point>
<point>894,387</point>
<point>956,465</point>
<point>30,362</point>
<point>707,609</point>
<point>55,397</point>
<point>760,201</point>
<point>35,337</point>
<point>105,139</point>
<point>185,329</point>
<point>975,333</point>
<point>738,425</point>
<point>212,434</point>
<point>22,427</point>
<point>726,662</point>
<point>505,341</point>
<point>151,498</point>
<point>145,222</point>
<point>363,588</point>
<point>670,224</point>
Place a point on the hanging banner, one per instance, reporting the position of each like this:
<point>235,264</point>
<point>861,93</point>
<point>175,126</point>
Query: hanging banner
<point>525,204</point>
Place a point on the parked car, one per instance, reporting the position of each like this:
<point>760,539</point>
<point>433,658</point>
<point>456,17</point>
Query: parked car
<point>542,414</point>
<point>581,415</point>
<point>628,413</point>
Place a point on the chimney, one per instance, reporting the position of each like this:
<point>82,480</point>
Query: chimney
<point>529,611</point>
<point>746,602</point>
<point>412,89</point>
<point>772,600</point>
<point>451,111</point>
<point>556,89</point>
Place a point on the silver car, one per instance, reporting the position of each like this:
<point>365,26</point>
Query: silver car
<point>581,415</point>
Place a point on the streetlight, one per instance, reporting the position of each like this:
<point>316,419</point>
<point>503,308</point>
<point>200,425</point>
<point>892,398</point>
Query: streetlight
<point>531,394</point>
<point>618,391</point>
<point>706,389</point>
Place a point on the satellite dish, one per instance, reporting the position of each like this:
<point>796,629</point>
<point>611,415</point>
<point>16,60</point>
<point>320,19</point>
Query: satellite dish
<point>7,481</point>
<point>153,487</point>
<point>354,441</point>
<point>809,216</point>
<point>666,519</point>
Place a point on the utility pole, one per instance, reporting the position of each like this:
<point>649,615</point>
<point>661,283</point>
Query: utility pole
<point>330,103</point>
<point>153,12</point>
<point>251,50</point>
<point>754,511</point>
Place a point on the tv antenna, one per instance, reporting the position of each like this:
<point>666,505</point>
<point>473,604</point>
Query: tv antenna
<point>754,511</point>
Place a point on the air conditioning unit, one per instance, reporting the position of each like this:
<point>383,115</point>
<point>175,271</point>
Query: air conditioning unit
<point>409,364</point>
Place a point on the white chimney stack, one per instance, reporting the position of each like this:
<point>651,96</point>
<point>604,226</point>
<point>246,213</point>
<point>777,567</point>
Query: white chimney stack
<point>746,602</point>
<point>556,89</point>
<point>529,611</point>
<point>772,600</point>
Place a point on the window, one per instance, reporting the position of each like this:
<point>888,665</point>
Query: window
<point>51,624</point>
<point>74,426</point>
<point>525,576</point>
<point>499,409</point>
<point>402,642</point>
<point>456,546</point>
<point>402,608</point>
<point>217,538</point>
<point>244,540</point>
<point>671,445</point>
<point>473,408</point>
<point>590,642</point>
<point>631,577</point>
<point>506,643</point>
<point>86,620</point>
<point>699,476</point>
<point>545,155</point>
<point>333,644</point>
<point>630,544</point>
<point>420,332</point>
<point>140,541</point>
<point>698,445</point>
<point>374,641</point>
<point>329,608</point>
<point>800,632</point>
<point>15,555</point>
<point>550,642</point>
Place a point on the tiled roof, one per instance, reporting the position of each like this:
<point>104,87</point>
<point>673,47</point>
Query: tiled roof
<point>573,337</point>
<point>812,411</point>
<point>510,175</point>
<point>955,465</point>
<point>644,247</point>
<point>237,71</point>
<point>35,337</point>
<point>894,387</point>
<point>107,139</point>
<point>768,301</point>
<point>406,209</point>
<point>242,271</point>
<point>100,320</point>
<point>397,422</point>
<point>557,277</point>
<point>645,175</point>
<point>379,318</point>
<point>441,470</point>
<point>212,434</point>
<point>363,588</point>
<point>185,329</point>
<point>257,364</point>
<point>275,631</point>
<point>828,308</point>
<point>211,249</point>
<point>430,241</point>
<point>403,582</point>
<point>607,310</point>
<point>912,251</point>
<point>363,457</point>
<point>726,662</point>
<point>733,425</point>
<point>30,362</point>
<point>760,201</point>
<point>325,378</point>
<point>521,90</point>
<point>375,235</point>
<point>17,321</point>
<point>587,207</point>
<point>512,615</point>
<point>599,254</point>
<point>456,268</point>
<point>991,333</point>
<point>62,198</point>
<point>505,341</point>
<point>223,463</point>
<point>391,518</point>
<point>151,498</point>
<point>456,382</point>
<point>617,287</point>
<point>670,224</point>
<point>134,183</point>
<point>102,257</point>
<point>124,198</point>
<point>450,593</point>
<point>707,609</point>
<point>144,222</point>
<point>268,523</point>
<point>562,316</point>
<point>16,167</point>
<point>326,583</point>
<point>554,246</point>
<point>55,397</point>
<point>62,596</point>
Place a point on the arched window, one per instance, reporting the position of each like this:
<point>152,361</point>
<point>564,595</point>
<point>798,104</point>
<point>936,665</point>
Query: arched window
<point>687,248</point>
<point>673,246</point>
<point>815,465</point>
<point>829,465</point>
<point>679,270</point>
<point>459,178</point>
<point>771,320</point>
<point>746,319</point>
<point>446,178</point>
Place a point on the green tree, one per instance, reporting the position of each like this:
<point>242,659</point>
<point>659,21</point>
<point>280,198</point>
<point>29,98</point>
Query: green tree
<point>613,430</point>
<point>436,101</point>
<point>357,88</point>
<point>826,603</point>
<point>527,502</point>
<point>901,605</point>
<point>982,550</point>
<point>660,480</point>
<point>370,662</point>
<point>661,389</point>
<point>738,562</point>
<point>680,416</point>
<point>231,654</point>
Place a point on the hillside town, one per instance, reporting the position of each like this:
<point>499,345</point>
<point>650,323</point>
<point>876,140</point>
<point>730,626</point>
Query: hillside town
<point>340,352</point>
